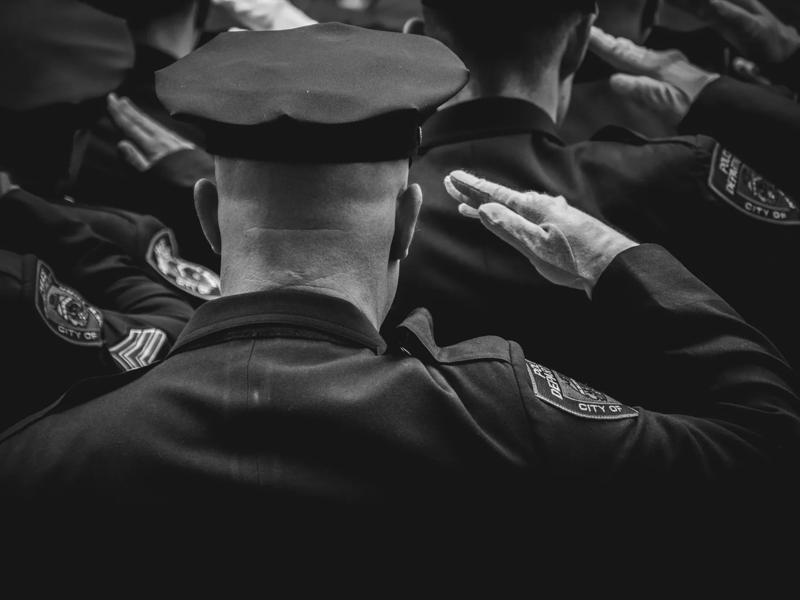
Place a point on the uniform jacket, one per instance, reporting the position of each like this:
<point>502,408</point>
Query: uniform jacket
<point>146,240</point>
<point>293,397</point>
<point>74,305</point>
<point>736,230</point>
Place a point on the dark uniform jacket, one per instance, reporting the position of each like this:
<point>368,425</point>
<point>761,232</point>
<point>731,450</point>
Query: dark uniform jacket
<point>295,396</point>
<point>757,123</point>
<point>731,227</point>
<point>166,190</point>
<point>73,305</point>
<point>147,241</point>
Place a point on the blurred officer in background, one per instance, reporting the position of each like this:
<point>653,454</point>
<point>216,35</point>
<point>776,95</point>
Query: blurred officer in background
<point>765,48</point>
<point>738,38</point>
<point>74,304</point>
<point>690,194</point>
<point>594,103</point>
<point>753,121</point>
<point>138,158</point>
<point>63,59</point>
<point>282,396</point>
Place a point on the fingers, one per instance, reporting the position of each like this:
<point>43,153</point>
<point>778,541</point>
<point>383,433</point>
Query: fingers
<point>753,6</point>
<point>747,70</point>
<point>646,91</point>
<point>620,53</point>
<point>474,192</point>
<point>513,229</point>
<point>467,211</point>
<point>133,156</point>
<point>727,15</point>
<point>129,120</point>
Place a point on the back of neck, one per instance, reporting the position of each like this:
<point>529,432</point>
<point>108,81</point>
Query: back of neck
<point>544,92</point>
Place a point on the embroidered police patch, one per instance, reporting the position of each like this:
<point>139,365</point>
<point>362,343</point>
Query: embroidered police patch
<point>575,398</point>
<point>139,349</point>
<point>192,278</point>
<point>65,312</point>
<point>747,191</point>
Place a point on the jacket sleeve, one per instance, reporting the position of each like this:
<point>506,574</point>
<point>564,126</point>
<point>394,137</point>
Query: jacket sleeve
<point>759,125</point>
<point>54,337</point>
<point>734,407</point>
<point>786,73</point>
<point>88,262</point>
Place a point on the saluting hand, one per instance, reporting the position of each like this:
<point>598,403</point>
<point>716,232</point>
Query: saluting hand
<point>147,140</point>
<point>566,245</point>
<point>748,26</point>
<point>665,82</point>
<point>265,15</point>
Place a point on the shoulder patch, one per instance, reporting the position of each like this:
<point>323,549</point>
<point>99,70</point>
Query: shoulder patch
<point>747,191</point>
<point>139,349</point>
<point>194,279</point>
<point>575,398</point>
<point>65,311</point>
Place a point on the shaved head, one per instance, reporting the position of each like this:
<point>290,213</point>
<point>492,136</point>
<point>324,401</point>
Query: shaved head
<point>340,227</point>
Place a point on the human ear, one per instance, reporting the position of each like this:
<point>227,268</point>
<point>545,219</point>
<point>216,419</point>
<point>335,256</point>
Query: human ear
<point>414,25</point>
<point>577,44</point>
<point>406,213</point>
<point>206,204</point>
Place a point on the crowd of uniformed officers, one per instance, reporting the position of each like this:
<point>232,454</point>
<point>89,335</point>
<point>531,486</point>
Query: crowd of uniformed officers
<point>446,255</point>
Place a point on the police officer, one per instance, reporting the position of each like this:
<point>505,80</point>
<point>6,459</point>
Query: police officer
<point>690,194</point>
<point>594,103</point>
<point>283,395</point>
<point>60,60</point>
<point>73,305</point>
<point>751,120</point>
<point>150,165</point>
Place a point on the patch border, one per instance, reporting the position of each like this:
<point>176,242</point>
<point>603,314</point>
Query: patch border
<point>566,408</point>
<point>714,165</point>
<point>38,301</point>
<point>174,245</point>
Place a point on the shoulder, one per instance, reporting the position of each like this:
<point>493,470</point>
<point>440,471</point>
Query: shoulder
<point>414,336</point>
<point>627,148</point>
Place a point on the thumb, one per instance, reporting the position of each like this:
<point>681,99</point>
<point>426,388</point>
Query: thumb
<point>133,156</point>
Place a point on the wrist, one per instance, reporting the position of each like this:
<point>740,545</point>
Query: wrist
<point>611,250</point>
<point>688,78</point>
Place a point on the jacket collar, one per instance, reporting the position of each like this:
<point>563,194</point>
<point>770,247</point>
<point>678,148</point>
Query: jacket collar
<point>148,60</point>
<point>316,314</point>
<point>485,117</point>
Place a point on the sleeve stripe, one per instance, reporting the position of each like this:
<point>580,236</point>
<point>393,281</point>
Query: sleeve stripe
<point>139,349</point>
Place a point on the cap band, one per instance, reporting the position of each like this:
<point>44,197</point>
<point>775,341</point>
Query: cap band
<point>383,138</point>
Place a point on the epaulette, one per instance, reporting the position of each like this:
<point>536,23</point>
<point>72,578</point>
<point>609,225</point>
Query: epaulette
<point>414,337</point>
